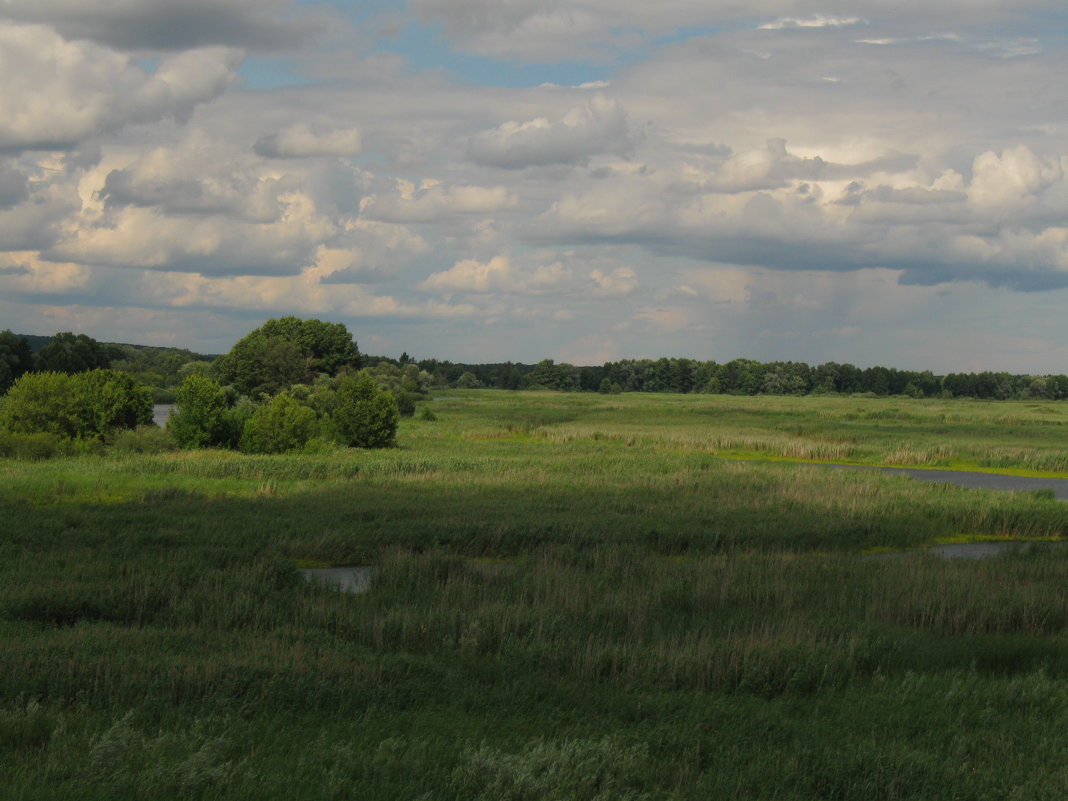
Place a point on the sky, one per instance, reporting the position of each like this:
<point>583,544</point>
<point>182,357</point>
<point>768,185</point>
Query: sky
<point>583,180</point>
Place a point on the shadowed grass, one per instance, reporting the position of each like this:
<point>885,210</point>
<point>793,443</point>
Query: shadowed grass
<point>573,597</point>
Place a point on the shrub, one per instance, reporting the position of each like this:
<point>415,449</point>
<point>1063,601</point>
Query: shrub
<point>145,439</point>
<point>366,416</point>
<point>282,424</point>
<point>200,417</point>
<point>85,405</point>
<point>405,402</point>
<point>30,446</point>
<point>42,403</point>
<point>109,401</point>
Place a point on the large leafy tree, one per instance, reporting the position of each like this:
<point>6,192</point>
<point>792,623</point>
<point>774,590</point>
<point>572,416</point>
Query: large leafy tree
<point>72,353</point>
<point>16,358</point>
<point>287,351</point>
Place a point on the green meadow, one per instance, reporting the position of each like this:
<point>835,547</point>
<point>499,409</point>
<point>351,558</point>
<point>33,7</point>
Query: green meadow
<point>575,596</point>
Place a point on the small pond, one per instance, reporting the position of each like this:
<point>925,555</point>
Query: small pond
<point>354,579</point>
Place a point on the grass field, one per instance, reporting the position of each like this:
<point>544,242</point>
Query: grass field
<point>574,597</point>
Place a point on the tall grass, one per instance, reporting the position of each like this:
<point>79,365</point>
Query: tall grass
<point>573,597</point>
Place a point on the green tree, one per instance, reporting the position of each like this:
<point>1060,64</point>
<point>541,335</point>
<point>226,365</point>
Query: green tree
<point>16,358</point>
<point>282,424</point>
<point>200,419</point>
<point>260,364</point>
<point>365,416</point>
<point>287,351</point>
<point>72,353</point>
<point>42,403</point>
<point>108,401</point>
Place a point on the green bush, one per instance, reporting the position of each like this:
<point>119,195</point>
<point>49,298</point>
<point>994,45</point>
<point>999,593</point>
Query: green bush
<point>30,446</point>
<point>280,425</point>
<point>111,401</point>
<point>86,405</point>
<point>145,439</point>
<point>200,419</point>
<point>405,402</point>
<point>366,416</point>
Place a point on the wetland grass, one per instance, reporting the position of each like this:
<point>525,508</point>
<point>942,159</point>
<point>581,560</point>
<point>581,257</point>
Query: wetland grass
<point>670,624</point>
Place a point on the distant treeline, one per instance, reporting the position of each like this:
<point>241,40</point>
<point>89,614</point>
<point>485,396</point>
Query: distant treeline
<point>161,368</point>
<point>67,352</point>
<point>745,377</point>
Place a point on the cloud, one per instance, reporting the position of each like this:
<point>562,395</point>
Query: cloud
<point>140,237</point>
<point>599,126</point>
<point>14,187</point>
<point>549,30</point>
<point>165,24</point>
<point>618,283</point>
<point>433,202</point>
<point>498,275</point>
<point>817,21</point>
<point>199,176</point>
<point>299,141</point>
<point>57,93</point>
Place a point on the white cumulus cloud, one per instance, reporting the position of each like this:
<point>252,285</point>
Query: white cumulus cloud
<point>300,141</point>
<point>57,93</point>
<point>599,126</point>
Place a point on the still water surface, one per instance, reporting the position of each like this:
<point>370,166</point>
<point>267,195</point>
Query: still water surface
<point>161,412</point>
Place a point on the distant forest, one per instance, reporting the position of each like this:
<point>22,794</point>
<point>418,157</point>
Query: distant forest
<point>161,368</point>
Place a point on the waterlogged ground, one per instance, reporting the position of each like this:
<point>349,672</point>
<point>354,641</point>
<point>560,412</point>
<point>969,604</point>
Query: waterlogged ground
<point>572,597</point>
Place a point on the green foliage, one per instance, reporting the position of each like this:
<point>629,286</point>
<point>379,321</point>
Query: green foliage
<point>31,446</point>
<point>406,403</point>
<point>467,380</point>
<point>287,351</point>
<point>85,405</point>
<point>145,439</point>
<point>200,419</point>
<point>282,424</point>
<point>72,353</point>
<point>328,346</point>
<point>16,358</point>
<point>427,414</point>
<point>550,375</point>
<point>112,401</point>
<point>366,416</point>
<point>42,403</point>
<point>259,364</point>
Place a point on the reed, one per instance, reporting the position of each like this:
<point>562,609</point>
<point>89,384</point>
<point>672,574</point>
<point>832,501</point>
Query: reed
<point>573,597</point>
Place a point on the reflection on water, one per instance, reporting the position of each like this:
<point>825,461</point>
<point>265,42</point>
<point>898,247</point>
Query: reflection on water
<point>354,579</point>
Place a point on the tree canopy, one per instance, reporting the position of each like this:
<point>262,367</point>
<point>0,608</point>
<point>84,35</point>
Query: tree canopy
<point>16,358</point>
<point>72,353</point>
<point>287,351</point>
